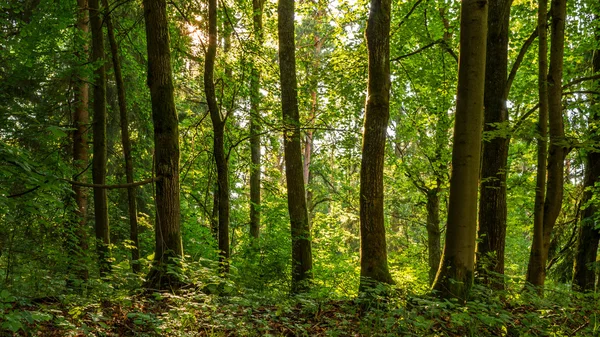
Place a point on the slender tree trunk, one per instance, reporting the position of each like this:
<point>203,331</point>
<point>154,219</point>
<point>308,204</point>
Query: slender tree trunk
<point>214,220</point>
<point>80,154</point>
<point>584,271</point>
<point>308,140</point>
<point>557,150</point>
<point>125,141</point>
<point>455,276</point>
<point>433,231</point>
<point>218,137</point>
<point>99,146</point>
<point>492,201</point>
<point>373,250</point>
<point>166,142</point>
<point>535,270</point>
<point>301,241</point>
<point>255,167</point>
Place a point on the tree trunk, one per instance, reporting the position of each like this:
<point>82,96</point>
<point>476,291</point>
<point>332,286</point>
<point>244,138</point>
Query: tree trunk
<point>80,155</point>
<point>584,271</point>
<point>455,275</point>
<point>373,250</point>
<point>557,150</point>
<point>218,138</point>
<point>125,140</point>
<point>166,143</point>
<point>433,231</point>
<point>492,202</point>
<point>534,269</point>
<point>99,146</point>
<point>301,242</point>
<point>255,167</point>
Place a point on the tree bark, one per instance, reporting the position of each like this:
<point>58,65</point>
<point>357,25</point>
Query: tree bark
<point>125,141</point>
<point>166,142</point>
<point>218,122</point>
<point>584,271</point>
<point>255,167</point>
<point>492,201</point>
<point>300,231</point>
<point>433,231</point>
<point>455,276</point>
<point>373,250</point>
<point>557,149</point>
<point>80,154</point>
<point>99,145</point>
<point>534,269</point>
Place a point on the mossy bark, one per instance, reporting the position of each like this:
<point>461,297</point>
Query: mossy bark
<point>455,276</point>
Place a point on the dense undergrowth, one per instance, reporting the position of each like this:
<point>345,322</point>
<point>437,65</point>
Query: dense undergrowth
<point>211,306</point>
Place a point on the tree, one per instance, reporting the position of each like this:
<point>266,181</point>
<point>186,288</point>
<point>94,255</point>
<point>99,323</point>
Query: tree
<point>219,122</point>
<point>125,141</point>
<point>80,150</point>
<point>492,201</point>
<point>166,140</point>
<point>301,242</point>
<point>99,145</point>
<point>373,250</point>
<point>257,14</point>
<point>584,273</point>
<point>455,276</point>
<point>536,270</point>
<point>542,144</point>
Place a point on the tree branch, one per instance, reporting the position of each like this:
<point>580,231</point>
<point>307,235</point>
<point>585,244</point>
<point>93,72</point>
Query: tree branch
<point>518,60</point>
<point>416,51</point>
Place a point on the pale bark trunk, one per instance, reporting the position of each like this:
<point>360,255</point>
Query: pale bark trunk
<point>300,231</point>
<point>455,275</point>
<point>166,142</point>
<point>373,250</point>
<point>99,145</point>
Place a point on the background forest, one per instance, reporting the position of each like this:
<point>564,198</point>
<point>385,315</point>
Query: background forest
<point>311,167</point>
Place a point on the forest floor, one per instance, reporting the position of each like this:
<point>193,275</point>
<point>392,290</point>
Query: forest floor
<point>194,313</point>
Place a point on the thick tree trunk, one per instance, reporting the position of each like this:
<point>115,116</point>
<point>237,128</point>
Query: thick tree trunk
<point>584,273</point>
<point>80,155</point>
<point>99,146</point>
<point>535,270</point>
<point>301,241</point>
<point>433,231</point>
<point>255,167</point>
<point>218,122</point>
<point>492,201</point>
<point>373,250</point>
<point>166,142</point>
<point>126,142</point>
<point>557,150</point>
<point>455,275</point>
